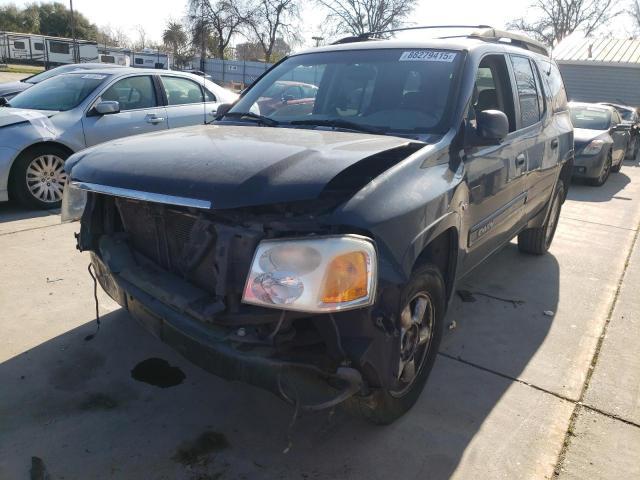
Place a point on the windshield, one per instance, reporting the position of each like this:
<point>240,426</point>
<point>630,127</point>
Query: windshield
<point>591,118</point>
<point>389,90</point>
<point>62,92</point>
<point>39,77</point>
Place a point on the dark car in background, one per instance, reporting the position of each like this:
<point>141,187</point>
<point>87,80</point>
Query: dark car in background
<point>321,247</point>
<point>629,117</point>
<point>601,141</point>
<point>9,90</point>
<point>285,94</point>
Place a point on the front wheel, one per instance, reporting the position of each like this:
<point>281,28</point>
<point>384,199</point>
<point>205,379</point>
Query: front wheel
<point>604,172</point>
<point>420,326</point>
<point>537,240</point>
<point>38,177</point>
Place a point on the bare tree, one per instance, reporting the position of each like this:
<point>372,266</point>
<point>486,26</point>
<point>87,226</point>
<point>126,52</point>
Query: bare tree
<point>221,19</point>
<point>557,19</point>
<point>356,17</point>
<point>142,37</point>
<point>269,22</point>
<point>635,13</point>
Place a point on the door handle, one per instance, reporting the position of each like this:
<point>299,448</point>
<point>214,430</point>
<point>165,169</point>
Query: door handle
<point>554,143</point>
<point>154,120</point>
<point>520,160</point>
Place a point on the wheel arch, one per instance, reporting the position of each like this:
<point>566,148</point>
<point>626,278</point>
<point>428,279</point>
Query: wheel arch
<point>441,250</point>
<point>29,149</point>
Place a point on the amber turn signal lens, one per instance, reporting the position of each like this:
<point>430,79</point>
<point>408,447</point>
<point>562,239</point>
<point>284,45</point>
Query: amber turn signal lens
<point>346,278</point>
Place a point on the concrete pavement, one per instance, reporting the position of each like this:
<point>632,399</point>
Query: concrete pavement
<point>511,394</point>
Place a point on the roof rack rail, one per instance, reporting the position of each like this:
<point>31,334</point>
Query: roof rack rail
<point>485,33</point>
<point>367,35</point>
<point>490,34</point>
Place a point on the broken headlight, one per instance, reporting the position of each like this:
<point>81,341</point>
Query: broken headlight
<point>322,274</point>
<point>74,200</point>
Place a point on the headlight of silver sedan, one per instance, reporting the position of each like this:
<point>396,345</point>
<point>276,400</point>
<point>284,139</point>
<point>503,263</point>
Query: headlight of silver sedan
<point>74,200</point>
<point>323,274</point>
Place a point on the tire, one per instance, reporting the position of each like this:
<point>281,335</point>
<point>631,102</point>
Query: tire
<point>616,168</point>
<point>384,406</point>
<point>604,173</point>
<point>37,178</point>
<point>632,150</point>
<point>536,241</point>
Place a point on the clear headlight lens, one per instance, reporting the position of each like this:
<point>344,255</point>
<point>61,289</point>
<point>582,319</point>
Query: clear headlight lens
<point>313,275</point>
<point>594,147</point>
<point>74,200</point>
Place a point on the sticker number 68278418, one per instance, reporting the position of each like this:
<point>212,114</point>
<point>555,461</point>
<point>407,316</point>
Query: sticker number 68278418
<point>427,56</point>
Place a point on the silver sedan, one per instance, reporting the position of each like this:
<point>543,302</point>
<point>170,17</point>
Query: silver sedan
<point>42,126</point>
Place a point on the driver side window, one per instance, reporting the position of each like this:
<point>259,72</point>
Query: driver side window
<point>132,93</point>
<point>492,90</point>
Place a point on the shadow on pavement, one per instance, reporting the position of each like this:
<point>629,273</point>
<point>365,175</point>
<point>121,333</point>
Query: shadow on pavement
<point>583,192</point>
<point>11,211</point>
<point>74,404</point>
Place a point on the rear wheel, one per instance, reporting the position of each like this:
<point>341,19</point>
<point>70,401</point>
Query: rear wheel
<point>421,320</point>
<point>537,240</point>
<point>38,177</point>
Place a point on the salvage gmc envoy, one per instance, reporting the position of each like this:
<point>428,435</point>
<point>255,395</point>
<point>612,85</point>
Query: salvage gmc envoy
<point>313,250</point>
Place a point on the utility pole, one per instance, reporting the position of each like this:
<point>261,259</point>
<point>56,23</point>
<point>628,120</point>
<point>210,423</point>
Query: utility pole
<point>73,33</point>
<point>203,51</point>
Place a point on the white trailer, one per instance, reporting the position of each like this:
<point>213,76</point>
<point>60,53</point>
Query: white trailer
<point>45,50</point>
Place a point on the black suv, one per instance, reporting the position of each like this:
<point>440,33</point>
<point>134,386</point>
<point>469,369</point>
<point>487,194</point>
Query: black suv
<point>313,252</point>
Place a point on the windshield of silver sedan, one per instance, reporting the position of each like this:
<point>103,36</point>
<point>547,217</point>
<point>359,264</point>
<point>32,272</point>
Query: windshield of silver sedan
<point>59,93</point>
<point>388,91</point>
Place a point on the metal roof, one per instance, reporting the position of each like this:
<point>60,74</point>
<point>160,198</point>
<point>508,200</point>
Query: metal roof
<point>598,50</point>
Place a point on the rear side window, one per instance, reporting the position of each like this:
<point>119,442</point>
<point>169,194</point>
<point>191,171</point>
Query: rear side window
<point>38,46</point>
<point>527,93</point>
<point>18,45</point>
<point>181,91</point>
<point>553,81</point>
<point>132,93</point>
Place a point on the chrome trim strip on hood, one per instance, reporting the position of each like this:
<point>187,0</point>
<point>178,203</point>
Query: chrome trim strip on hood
<point>145,196</point>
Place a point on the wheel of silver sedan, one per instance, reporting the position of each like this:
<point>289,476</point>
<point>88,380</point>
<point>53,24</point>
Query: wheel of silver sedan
<point>416,332</point>
<point>45,177</point>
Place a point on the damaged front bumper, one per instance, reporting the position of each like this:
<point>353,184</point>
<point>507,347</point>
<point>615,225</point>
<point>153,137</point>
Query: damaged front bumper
<point>217,349</point>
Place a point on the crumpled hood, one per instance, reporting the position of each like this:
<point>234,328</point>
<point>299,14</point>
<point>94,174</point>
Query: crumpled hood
<point>229,166</point>
<point>582,136</point>
<point>11,116</point>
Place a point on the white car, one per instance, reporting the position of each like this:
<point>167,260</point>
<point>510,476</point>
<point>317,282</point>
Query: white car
<point>42,126</point>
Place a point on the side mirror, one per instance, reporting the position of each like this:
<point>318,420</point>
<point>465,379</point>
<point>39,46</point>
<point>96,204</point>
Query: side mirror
<point>287,98</point>
<point>621,127</point>
<point>223,108</point>
<point>3,102</point>
<point>492,125</point>
<point>107,107</point>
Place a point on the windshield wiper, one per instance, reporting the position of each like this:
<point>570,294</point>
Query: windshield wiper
<point>260,118</point>
<point>340,123</point>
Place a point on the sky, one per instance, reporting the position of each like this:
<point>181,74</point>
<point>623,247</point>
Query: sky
<point>153,14</point>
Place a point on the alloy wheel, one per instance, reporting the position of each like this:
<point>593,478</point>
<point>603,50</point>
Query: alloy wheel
<point>46,178</point>
<point>417,321</point>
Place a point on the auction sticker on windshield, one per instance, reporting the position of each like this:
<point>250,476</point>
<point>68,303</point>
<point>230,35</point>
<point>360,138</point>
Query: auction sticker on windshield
<point>427,56</point>
<point>94,76</point>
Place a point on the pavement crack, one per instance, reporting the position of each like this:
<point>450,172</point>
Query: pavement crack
<point>508,377</point>
<point>601,224</point>
<point>592,366</point>
<point>612,416</point>
<point>30,229</point>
